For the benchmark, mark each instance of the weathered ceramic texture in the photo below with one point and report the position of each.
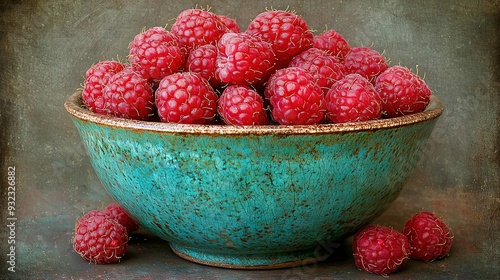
(253, 197)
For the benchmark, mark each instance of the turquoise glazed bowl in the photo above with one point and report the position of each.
(253, 197)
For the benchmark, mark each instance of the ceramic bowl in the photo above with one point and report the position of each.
(253, 197)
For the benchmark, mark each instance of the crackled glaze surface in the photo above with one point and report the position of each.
(228, 197)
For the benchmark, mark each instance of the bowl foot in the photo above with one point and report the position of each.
(250, 261)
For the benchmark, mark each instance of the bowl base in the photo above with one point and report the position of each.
(250, 261)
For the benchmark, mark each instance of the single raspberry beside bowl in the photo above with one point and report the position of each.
(365, 61)
(429, 237)
(156, 53)
(402, 92)
(96, 79)
(295, 97)
(353, 99)
(99, 238)
(288, 34)
(115, 211)
(186, 98)
(240, 105)
(243, 59)
(325, 68)
(129, 95)
(333, 42)
(380, 250)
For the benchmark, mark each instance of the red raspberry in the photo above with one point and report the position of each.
(96, 79)
(295, 97)
(380, 250)
(203, 60)
(196, 27)
(115, 211)
(288, 34)
(99, 238)
(365, 61)
(325, 68)
(230, 24)
(333, 42)
(186, 98)
(402, 92)
(129, 95)
(353, 99)
(155, 53)
(240, 105)
(243, 59)
(429, 236)
(93, 213)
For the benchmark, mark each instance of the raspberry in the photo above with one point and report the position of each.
(380, 250)
(402, 92)
(240, 105)
(230, 24)
(429, 236)
(288, 34)
(295, 97)
(99, 238)
(129, 95)
(243, 59)
(365, 61)
(325, 68)
(196, 27)
(155, 53)
(333, 42)
(93, 213)
(115, 211)
(353, 99)
(186, 98)
(203, 60)
(96, 79)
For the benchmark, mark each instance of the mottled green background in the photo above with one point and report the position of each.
(46, 47)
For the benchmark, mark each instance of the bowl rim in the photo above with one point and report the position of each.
(75, 106)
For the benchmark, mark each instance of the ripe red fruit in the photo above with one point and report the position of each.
(99, 238)
(288, 34)
(295, 97)
(325, 68)
(196, 27)
(186, 98)
(96, 79)
(353, 99)
(333, 42)
(380, 250)
(230, 24)
(429, 237)
(203, 60)
(129, 95)
(240, 105)
(402, 92)
(365, 61)
(155, 53)
(243, 59)
(115, 211)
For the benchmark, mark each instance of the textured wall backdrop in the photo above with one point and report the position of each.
(46, 47)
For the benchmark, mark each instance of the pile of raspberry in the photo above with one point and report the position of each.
(382, 250)
(205, 69)
(101, 236)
